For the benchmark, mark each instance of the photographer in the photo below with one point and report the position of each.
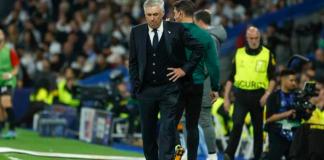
(281, 117)
(308, 141)
(318, 114)
(67, 89)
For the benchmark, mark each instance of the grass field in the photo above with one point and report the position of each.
(29, 140)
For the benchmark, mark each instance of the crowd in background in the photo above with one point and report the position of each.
(92, 36)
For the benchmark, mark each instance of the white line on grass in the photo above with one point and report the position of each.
(13, 158)
(66, 155)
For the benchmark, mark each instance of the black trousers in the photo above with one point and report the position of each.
(8, 91)
(191, 103)
(247, 101)
(159, 142)
(278, 147)
(308, 143)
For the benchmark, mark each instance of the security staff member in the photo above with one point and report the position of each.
(253, 80)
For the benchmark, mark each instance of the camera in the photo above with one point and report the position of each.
(94, 96)
(97, 96)
(301, 102)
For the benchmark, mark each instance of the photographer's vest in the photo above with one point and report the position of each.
(251, 70)
(43, 95)
(65, 96)
(317, 118)
(6, 66)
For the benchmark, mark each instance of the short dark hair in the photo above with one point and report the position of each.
(287, 72)
(204, 16)
(187, 6)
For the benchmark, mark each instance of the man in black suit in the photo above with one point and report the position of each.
(157, 66)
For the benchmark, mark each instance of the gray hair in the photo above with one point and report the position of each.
(151, 3)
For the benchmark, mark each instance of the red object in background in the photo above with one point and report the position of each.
(240, 41)
(14, 58)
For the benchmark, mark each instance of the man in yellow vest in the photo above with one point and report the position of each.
(9, 65)
(253, 80)
(67, 89)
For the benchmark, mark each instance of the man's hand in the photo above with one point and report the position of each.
(214, 96)
(319, 100)
(264, 98)
(175, 74)
(290, 113)
(227, 104)
(6, 76)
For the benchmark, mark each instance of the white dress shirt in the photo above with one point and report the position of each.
(159, 31)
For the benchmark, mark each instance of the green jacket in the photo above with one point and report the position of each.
(209, 61)
(5, 66)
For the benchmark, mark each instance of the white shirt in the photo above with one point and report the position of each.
(159, 31)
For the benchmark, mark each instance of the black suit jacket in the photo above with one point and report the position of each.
(177, 38)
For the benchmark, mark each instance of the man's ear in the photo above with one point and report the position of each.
(181, 13)
(199, 22)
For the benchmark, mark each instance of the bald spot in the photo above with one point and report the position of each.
(252, 31)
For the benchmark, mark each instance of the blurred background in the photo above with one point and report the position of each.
(74, 54)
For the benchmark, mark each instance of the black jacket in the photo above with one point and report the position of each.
(177, 38)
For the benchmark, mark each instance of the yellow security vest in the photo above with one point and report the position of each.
(42, 95)
(251, 70)
(65, 96)
(317, 117)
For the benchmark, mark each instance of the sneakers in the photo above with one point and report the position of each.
(179, 151)
(212, 156)
(9, 135)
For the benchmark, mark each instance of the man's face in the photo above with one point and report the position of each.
(289, 82)
(319, 88)
(69, 75)
(177, 15)
(319, 102)
(2, 37)
(253, 39)
(319, 55)
(153, 16)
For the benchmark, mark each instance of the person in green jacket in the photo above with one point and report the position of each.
(193, 90)
(202, 18)
(9, 66)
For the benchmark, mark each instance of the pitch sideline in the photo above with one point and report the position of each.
(66, 155)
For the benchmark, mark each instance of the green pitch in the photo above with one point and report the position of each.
(29, 140)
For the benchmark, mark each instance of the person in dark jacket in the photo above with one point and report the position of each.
(158, 66)
(281, 116)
